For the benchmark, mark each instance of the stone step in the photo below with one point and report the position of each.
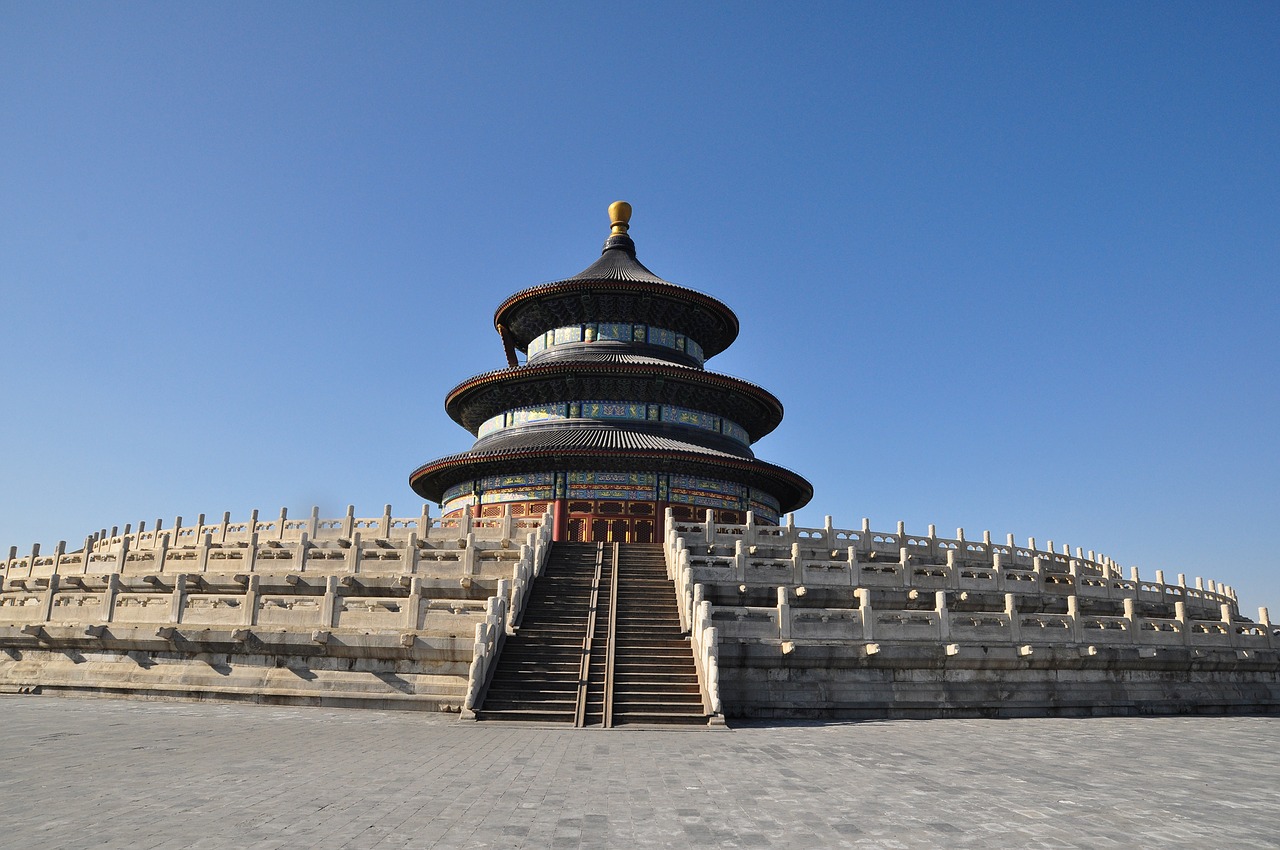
(642, 719)
(654, 670)
(644, 690)
(525, 714)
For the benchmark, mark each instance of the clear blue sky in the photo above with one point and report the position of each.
(1008, 265)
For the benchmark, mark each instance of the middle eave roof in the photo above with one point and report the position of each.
(479, 398)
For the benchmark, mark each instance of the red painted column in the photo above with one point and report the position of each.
(560, 521)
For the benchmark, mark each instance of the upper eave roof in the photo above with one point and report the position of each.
(618, 288)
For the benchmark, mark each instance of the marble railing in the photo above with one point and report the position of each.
(770, 555)
(401, 586)
(793, 560)
(104, 548)
(350, 544)
(787, 622)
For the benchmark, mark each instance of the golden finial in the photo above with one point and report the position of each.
(620, 216)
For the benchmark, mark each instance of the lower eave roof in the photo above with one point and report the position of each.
(431, 480)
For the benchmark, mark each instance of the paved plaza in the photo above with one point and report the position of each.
(81, 772)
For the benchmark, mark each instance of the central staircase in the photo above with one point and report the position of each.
(600, 644)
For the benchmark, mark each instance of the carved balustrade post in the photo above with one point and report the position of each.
(1011, 611)
(1130, 617)
(1073, 613)
(867, 616)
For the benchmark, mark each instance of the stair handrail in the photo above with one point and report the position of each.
(611, 647)
(695, 618)
(584, 666)
(533, 561)
(490, 635)
(705, 639)
(503, 612)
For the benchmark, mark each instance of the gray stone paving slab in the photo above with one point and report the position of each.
(78, 772)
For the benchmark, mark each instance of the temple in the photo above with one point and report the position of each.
(611, 552)
(612, 419)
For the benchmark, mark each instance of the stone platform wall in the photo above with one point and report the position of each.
(791, 621)
(384, 611)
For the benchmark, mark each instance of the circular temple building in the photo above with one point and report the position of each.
(612, 417)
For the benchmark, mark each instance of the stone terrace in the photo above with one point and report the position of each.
(81, 772)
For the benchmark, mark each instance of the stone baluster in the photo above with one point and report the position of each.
(46, 604)
(251, 595)
(1131, 618)
(470, 563)
(161, 548)
(122, 556)
(329, 605)
(178, 599)
(409, 557)
(353, 554)
(863, 595)
(109, 598)
(413, 604)
(1011, 611)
